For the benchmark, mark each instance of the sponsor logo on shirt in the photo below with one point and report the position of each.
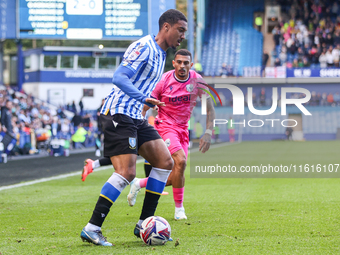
(179, 99)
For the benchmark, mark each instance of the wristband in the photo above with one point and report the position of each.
(208, 131)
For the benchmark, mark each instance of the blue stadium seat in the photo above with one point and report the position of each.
(229, 34)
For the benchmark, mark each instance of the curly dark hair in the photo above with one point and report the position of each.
(171, 16)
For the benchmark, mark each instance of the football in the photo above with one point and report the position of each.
(155, 230)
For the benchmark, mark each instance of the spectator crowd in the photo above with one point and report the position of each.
(308, 34)
(33, 123)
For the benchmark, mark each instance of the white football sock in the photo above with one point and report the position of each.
(95, 164)
(137, 183)
(140, 223)
(91, 227)
(179, 208)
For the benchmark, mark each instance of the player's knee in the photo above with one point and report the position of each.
(181, 164)
(129, 173)
(168, 163)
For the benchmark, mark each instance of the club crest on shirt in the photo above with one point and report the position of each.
(190, 87)
(167, 142)
(132, 143)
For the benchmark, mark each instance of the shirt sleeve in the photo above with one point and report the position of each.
(121, 78)
(201, 84)
(136, 56)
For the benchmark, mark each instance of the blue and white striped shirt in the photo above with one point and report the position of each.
(146, 59)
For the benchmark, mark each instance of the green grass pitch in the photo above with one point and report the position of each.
(225, 215)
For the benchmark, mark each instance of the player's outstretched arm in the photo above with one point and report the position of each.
(121, 78)
(154, 101)
(206, 138)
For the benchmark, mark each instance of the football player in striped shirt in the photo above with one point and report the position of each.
(126, 132)
(179, 89)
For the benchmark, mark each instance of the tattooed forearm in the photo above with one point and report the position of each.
(210, 114)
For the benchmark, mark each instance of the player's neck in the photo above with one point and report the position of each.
(161, 42)
(181, 80)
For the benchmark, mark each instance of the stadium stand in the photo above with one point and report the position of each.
(35, 123)
(308, 35)
(229, 34)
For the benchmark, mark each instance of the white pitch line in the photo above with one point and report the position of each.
(62, 176)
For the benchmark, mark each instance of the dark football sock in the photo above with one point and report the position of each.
(108, 195)
(100, 211)
(105, 161)
(153, 190)
(150, 205)
(147, 169)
